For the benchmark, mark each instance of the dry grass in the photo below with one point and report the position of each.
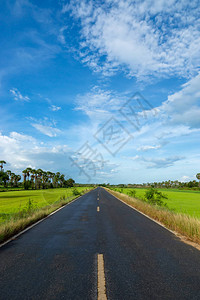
(187, 226)
(21, 221)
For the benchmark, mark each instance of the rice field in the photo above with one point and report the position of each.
(180, 201)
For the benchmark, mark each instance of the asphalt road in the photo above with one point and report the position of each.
(57, 259)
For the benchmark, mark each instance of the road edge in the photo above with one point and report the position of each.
(41, 220)
(181, 237)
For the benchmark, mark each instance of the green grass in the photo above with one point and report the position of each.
(180, 201)
(16, 214)
(3, 189)
(12, 202)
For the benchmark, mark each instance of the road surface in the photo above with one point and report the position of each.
(99, 249)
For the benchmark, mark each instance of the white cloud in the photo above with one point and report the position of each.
(54, 108)
(183, 107)
(136, 157)
(148, 147)
(61, 36)
(158, 162)
(176, 117)
(185, 178)
(47, 130)
(21, 137)
(18, 96)
(99, 104)
(21, 151)
(143, 38)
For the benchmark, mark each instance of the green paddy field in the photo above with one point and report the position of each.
(183, 201)
(11, 202)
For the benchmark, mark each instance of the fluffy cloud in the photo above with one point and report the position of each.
(143, 38)
(21, 151)
(183, 107)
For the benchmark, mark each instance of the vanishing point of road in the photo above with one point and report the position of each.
(99, 248)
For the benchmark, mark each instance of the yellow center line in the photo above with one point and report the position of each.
(101, 278)
(98, 209)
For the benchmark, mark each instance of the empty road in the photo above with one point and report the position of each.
(99, 248)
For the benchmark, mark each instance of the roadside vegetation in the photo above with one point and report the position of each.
(155, 204)
(20, 209)
(22, 203)
(179, 201)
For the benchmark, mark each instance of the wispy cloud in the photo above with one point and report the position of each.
(47, 130)
(61, 35)
(142, 38)
(45, 126)
(54, 108)
(162, 162)
(158, 162)
(98, 103)
(18, 96)
(148, 147)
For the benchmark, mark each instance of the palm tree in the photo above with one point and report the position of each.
(12, 178)
(62, 179)
(28, 172)
(198, 177)
(39, 173)
(2, 162)
(8, 172)
(4, 178)
(44, 179)
(32, 181)
(17, 178)
(34, 173)
(24, 172)
(51, 176)
(57, 178)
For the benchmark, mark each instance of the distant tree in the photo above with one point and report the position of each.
(4, 178)
(17, 178)
(69, 182)
(198, 177)
(2, 162)
(8, 172)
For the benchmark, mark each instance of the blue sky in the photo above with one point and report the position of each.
(103, 91)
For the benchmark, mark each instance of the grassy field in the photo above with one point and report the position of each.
(187, 202)
(19, 209)
(13, 202)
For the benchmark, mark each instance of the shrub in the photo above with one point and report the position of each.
(155, 197)
(76, 192)
(132, 193)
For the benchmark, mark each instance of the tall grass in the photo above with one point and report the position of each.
(185, 225)
(27, 217)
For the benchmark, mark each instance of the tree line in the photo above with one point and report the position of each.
(163, 184)
(34, 179)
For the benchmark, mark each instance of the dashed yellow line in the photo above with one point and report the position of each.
(101, 278)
